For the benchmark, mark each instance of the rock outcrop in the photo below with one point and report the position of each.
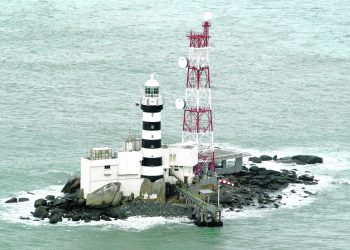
(104, 196)
(12, 200)
(71, 186)
(153, 191)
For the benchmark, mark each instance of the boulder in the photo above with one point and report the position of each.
(75, 217)
(254, 169)
(106, 218)
(40, 202)
(274, 157)
(60, 203)
(305, 177)
(117, 199)
(71, 186)
(307, 159)
(41, 212)
(55, 218)
(265, 158)
(23, 199)
(158, 188)
(146, 188)
(58, 211)
(50, 197)
(104, 196)
(255, 159)
(153, 190)
(12, 200)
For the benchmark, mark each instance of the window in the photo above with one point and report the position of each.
(152, 126)
(151, 91)
(107, 167)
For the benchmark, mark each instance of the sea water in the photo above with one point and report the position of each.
(71, 72)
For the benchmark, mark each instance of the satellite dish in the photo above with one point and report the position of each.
(207, 16)
(183, 62)
(180, 103)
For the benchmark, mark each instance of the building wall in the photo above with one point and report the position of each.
(125, 169)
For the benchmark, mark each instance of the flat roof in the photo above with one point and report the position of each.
(226, 154)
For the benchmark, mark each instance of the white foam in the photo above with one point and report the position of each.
(11, 212)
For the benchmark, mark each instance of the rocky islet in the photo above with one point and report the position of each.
(253, 187)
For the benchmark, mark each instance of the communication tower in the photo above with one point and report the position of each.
(197, 126)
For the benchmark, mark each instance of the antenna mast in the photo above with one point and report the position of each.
(197, 123)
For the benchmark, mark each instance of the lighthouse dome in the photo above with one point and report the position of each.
(152, 82)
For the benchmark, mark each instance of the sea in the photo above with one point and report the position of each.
(72, 71)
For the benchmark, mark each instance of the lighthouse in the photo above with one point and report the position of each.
(151, 105)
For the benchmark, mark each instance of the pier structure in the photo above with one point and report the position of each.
(205, 214)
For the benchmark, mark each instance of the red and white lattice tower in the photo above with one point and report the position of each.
(198, 116)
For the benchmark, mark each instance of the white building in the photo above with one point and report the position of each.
(145, 157)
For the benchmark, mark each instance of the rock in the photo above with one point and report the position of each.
(55, 219)
(265, 158)
(71, 196)
(12, 200)
(71, 186)
(276, 205)
(104, 196)
(117, 199)
(153, 190)
(87, 220)
(40, 202)
(106, 218)
(307, 159)
(23, 199)
(59, 211)
(146, 189)
(286, 160)
(50, 197)
(254, 169)
(255, 159)
(275, 186)
(61, 203)
(274, 157)
(293, 191)
(75, 217)
(306, 177)
(158, 188)
(41, 212)
(308, 192)
(24, 218)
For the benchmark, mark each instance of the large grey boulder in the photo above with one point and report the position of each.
(158, 187)
(154, 191)
(104, 196)
(146, 188)
(117, 199)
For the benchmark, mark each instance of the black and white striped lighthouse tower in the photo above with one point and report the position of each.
(151, 105)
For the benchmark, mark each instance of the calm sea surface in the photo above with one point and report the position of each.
(71, 72)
